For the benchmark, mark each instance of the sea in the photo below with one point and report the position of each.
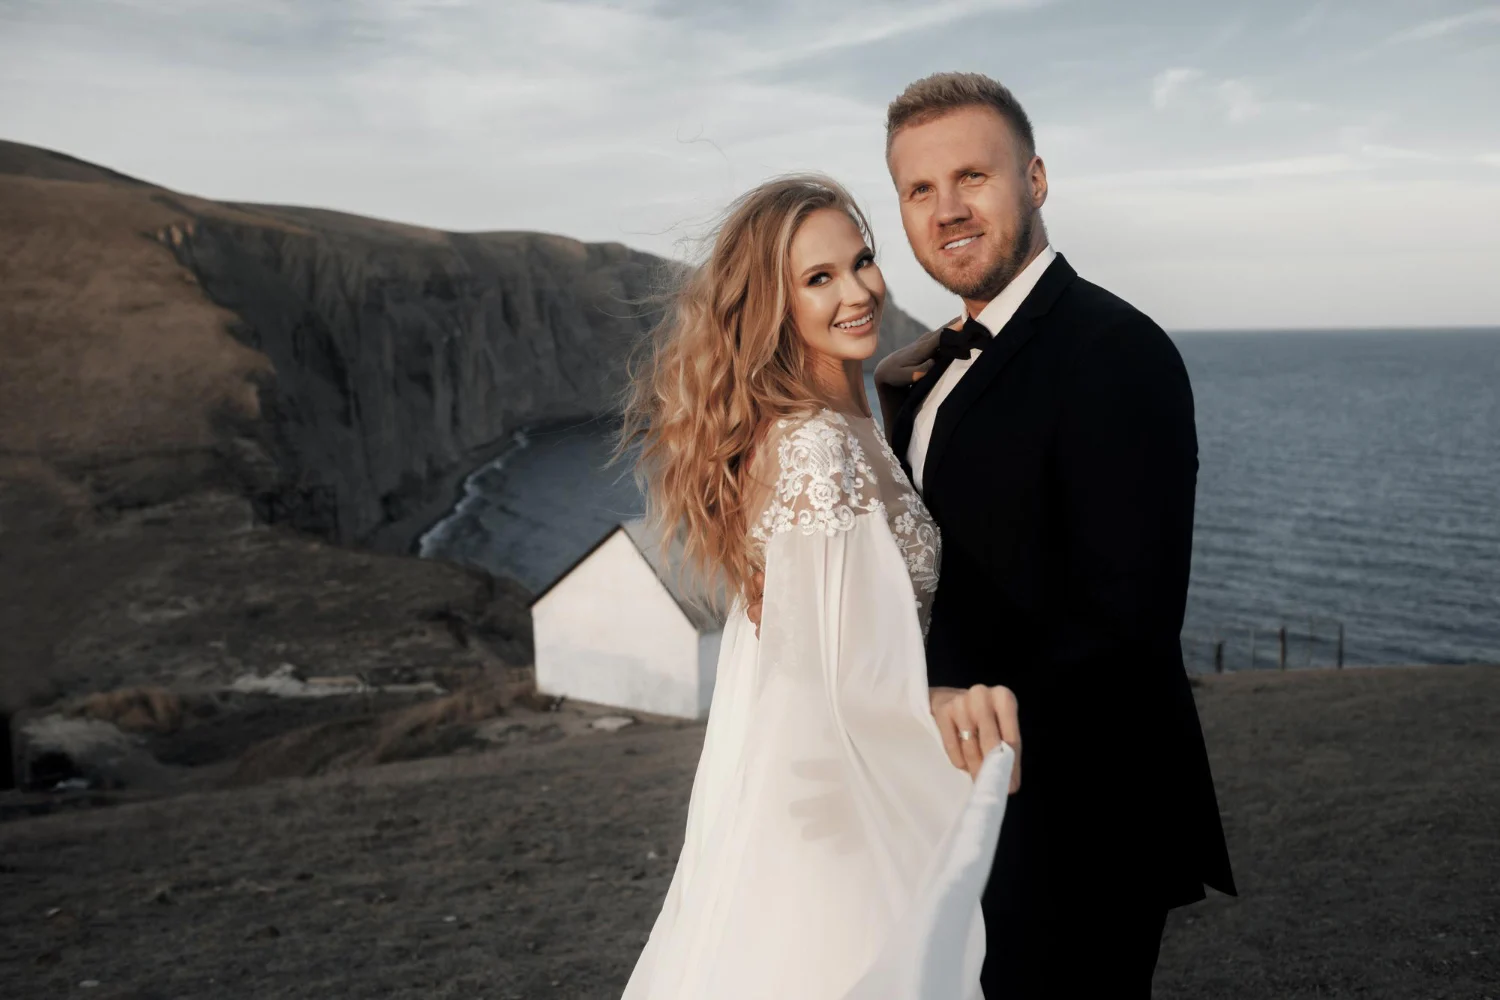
(1348, 507)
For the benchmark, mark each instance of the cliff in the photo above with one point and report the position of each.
(384, 357)
(402, 355)
(333, 374)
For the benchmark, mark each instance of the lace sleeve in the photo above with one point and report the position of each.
(823, 482)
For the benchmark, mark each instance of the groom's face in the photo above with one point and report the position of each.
(969, 200)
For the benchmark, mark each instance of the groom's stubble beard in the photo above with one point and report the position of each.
(992, 282)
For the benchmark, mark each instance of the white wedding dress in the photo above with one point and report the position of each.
(832, 851)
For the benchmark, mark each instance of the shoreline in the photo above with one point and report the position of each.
(446, 493)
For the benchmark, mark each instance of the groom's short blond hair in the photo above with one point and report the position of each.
(934, 96)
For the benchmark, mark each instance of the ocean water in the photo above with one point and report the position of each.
(1348, 481)
(1352, 476)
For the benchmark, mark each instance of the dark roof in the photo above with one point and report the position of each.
(704, 619)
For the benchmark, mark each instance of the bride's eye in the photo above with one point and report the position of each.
(816, 279)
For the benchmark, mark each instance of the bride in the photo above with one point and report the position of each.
(833, 849)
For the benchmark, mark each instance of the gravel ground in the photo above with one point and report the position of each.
(1362, 808)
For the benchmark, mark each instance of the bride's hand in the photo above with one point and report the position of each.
(989, 715)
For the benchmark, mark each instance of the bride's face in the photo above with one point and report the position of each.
(836, 289)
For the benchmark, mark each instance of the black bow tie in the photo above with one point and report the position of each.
(956, 344)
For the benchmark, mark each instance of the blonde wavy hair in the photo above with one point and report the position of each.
(721, 367)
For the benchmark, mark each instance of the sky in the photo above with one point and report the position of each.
(1221, 165)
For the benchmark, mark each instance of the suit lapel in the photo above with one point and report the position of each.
(992, 360)
(906, 417)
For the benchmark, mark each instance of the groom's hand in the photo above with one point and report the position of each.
(989, 715)
(902, 367)
(899, 369)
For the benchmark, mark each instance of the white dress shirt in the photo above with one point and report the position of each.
(993, 318)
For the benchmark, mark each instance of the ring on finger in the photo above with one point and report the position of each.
(965, 734)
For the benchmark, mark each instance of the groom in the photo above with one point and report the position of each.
(1051, 435)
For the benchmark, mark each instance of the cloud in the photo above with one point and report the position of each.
(1447, 25)
(1310, 19)
(637, 120)
(866, 25)
(1365, 142)
(599, 120)
(1323, 165)
(1240, 100)
(1380, 151)
(1169, 83)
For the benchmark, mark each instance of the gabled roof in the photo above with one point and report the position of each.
(663, 565)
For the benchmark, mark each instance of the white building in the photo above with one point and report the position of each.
(614, 629)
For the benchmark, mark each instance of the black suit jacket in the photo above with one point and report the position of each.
(1061, 471)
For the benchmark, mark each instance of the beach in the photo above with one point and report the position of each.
(1360, 808)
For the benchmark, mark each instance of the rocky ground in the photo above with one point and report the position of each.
(138, 643)
(183, 383)
(1360, 805)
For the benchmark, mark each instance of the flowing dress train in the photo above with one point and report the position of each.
(831, 850)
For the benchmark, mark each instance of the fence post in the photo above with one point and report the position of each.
(1341, 646)
(1219, 657)
(1282, 658)
(1252, 648)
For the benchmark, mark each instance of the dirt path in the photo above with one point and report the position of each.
(1361, 807)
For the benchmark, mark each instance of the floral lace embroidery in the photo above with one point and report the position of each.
(826, 480)
(914, 528)
(821, 483)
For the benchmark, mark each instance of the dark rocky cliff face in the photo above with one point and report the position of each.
(399, 360)
(401, 355)
(171, 366)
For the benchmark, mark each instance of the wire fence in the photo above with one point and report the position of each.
(1291, 643)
